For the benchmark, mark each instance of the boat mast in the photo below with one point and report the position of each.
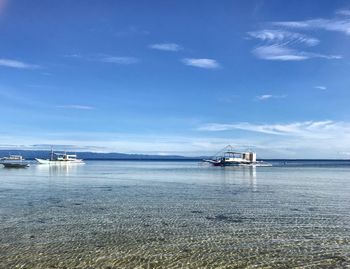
(51, 153)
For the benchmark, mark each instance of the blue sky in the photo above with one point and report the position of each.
(176, 77)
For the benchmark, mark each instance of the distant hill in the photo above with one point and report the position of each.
(44, 154)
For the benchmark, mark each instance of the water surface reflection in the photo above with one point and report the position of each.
(58, 170)
(238, 175)
(174, 215)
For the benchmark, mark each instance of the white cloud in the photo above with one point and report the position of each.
(301, 129)
(122, 60)
(283, 45)
(17, 64)
(201, 63)
(166, 46)
(277, 52)
(321, 87)
(119, 60)
(73, 55)
(81, 107)
(344, 12)
(336, 24)
(284, 37)
(269, 96)
(264, 97)
(281, 53)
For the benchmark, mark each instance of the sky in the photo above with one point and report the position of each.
(176, 77)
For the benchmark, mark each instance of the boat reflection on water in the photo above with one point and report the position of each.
(59, 170)
(242, 175)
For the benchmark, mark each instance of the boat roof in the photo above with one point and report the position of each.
(236, 152)
(63, 153)
(230, 150)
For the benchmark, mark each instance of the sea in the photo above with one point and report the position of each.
(175, 214)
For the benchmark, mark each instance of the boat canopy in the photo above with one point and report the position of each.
(63, 156)
(233, 152)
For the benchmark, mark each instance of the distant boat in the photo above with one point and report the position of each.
(12, 158)
(229, 157)
(15, 164)
(14, 161)
(60, 158)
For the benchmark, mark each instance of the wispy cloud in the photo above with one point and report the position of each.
(81, 107)
(323, 129)
(284, 37)
(344, 12)
(282, 45)
(201, 63)
(280, 52)
(305, 139)
(17, 64)
(119, 60)
(321, 88)
(105, 58)
(73, 55)
(269, 96)
(336, 24)
(166, 46)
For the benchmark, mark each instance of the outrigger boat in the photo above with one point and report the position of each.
(60, 158)
(15, 164)
(12, 158)
(229, 157)
(14, 161)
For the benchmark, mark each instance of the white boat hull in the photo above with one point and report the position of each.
(15, 164)
(67, 162)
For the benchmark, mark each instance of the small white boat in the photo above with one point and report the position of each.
(60, 159)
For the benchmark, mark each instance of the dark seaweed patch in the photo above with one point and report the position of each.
(196, 211)
(312, 209)
(42, 220)
(225, 218)
(53, 200)
(105, 188)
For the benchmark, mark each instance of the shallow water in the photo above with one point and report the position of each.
(118, 214)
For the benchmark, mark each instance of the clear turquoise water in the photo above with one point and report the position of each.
(118, 214)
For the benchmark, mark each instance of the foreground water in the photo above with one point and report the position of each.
(109, 214)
